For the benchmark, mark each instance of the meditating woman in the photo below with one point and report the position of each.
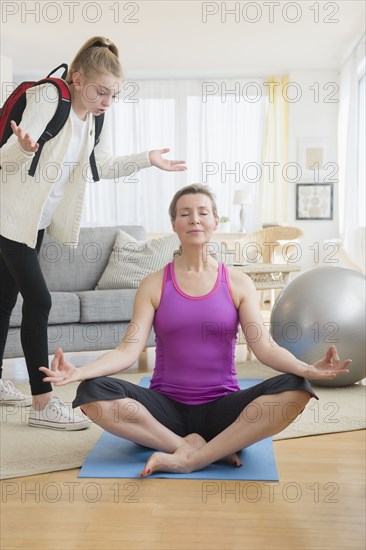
(194, 412)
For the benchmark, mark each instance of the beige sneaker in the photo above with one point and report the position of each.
(57, 416)
(9, 395)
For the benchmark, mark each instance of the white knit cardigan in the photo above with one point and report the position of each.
(23, 197)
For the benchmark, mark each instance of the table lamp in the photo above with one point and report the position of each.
(243, 197)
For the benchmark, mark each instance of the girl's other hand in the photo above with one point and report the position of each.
(25, 141)
(157, 160)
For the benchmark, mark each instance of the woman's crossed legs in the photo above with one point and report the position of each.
(190, 437)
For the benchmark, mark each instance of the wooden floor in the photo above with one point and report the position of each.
(319, 503)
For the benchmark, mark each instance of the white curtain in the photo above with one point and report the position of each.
(274, 187)
(350, 155)
(218, 133)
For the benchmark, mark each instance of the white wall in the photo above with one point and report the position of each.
(314, 117)
(6, 77)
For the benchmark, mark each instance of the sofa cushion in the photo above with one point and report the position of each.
(106, 305)
(65, 309)
(132, 260)
(66, 268)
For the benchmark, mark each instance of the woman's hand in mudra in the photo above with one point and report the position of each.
(328, 368)
(61, 372)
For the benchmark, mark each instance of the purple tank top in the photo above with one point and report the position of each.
(195, 341)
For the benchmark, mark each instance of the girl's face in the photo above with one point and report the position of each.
(194, 222)
(97, 93)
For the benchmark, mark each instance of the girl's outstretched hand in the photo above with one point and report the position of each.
(61, 372)
(328, 368)
(25, 141)
(157, 160)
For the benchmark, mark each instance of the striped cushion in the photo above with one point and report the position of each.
(131, 260)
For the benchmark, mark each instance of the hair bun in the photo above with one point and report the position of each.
(99, 44)
(90, 61)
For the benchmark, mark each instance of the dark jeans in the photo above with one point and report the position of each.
(20, 272)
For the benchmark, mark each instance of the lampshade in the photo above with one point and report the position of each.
(243, 196)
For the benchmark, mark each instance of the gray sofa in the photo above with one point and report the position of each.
(81, 318)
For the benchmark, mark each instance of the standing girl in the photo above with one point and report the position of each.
(29, 205)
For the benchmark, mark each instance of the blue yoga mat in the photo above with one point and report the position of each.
(114, 457)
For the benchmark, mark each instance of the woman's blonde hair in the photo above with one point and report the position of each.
(97, 55)
(192, 189)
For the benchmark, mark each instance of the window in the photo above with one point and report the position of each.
(220, 137)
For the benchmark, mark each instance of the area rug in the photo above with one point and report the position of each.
(27, 451)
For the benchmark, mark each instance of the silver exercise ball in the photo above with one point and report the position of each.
(323, 307)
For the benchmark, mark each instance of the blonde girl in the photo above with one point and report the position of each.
(54, 201)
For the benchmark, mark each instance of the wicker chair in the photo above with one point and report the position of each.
(266, 245)
(280, 236)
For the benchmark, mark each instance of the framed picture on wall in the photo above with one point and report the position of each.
(314, 201)
(313, 156)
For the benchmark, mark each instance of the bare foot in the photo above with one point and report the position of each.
(176, 462)
(232, 459)
(195, 440)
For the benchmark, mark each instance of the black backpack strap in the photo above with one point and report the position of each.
(59, 118)
(64, 66)
(99, 120)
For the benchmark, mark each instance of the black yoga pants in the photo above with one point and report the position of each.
(208, 419)
(20, 272)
